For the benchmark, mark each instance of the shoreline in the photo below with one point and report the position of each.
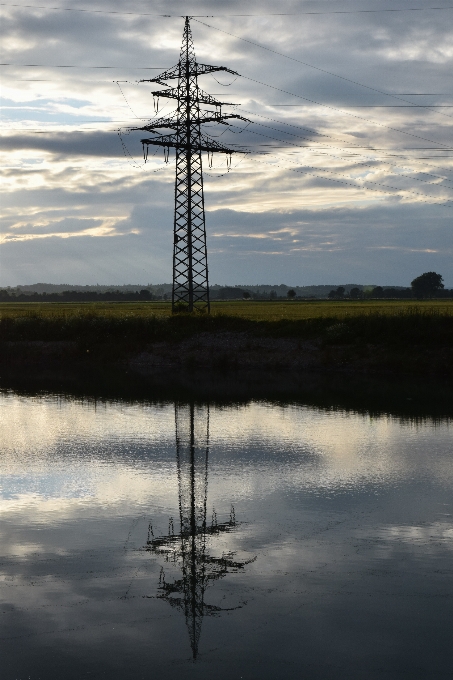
(233, 351)
(404, 396)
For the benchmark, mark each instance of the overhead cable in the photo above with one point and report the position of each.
(333, 171)
(325, 147)
(347, 113)
(317, 68)
(209, 16)
(352, 148)
(358, 186)
(124, 68)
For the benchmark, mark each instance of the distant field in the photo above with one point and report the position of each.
(257, 311)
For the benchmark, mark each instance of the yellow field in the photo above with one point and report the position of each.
(266, 311)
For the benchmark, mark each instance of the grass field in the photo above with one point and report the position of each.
(254, 311)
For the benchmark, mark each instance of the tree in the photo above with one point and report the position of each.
(247, 295)
(337, 294)
(355, 293)
(427, 284)
(377, 292)
(291, 294)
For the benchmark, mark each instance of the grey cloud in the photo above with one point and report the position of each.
(54, 200)
(382, 245)
(66, 143)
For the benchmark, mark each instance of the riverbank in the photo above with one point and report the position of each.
(416, 341)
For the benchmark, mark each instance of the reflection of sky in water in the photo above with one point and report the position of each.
(349, 518)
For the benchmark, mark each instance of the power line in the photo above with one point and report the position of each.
(317, 68)
(81, 122)
(321, 148)
(358, 186)
(387, 106)
(338, 173)
(89, 11)
(299, 127)
(332, 147)
(209, 16)
(368, 148)
(330, 137)
(158, 68)
(124, 68)
(362, 164)
(347, 113)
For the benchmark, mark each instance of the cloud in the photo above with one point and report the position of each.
(383, 245)
(102, 144)
(342, 151)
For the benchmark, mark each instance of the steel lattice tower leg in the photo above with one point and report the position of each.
(190, 264)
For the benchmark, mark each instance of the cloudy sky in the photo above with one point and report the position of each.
(350, 172)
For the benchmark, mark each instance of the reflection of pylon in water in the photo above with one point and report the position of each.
(187, 548)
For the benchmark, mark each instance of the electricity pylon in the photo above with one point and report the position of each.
(187, 548)
(190, 266)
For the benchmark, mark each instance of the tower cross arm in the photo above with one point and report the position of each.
(205, 98)
(216, 117)
(175, 72)
(203, 69)
(207, 144)
(172, 141)
(171, 123)
(171, 93)
(202, 97)
(170, 74)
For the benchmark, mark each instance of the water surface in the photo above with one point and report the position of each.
(192, 540)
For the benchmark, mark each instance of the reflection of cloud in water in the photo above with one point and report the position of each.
(48, 424)
(431, 538)
(69, 455)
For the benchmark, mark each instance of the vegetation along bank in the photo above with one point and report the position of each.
(406, 337)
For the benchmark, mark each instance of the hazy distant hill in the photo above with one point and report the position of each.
(217, 291)
(157, 289)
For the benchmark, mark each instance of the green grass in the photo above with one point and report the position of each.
(274, 311)
(251, 310)
(135, 324)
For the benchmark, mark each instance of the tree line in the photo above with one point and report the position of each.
(427, 285)
(82, 296)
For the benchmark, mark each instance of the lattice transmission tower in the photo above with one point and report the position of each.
(190, 265)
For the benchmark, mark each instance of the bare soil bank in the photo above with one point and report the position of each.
(241, 351)
(233, 351)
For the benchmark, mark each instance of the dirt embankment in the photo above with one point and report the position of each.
(233, 351)
(240, 351)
